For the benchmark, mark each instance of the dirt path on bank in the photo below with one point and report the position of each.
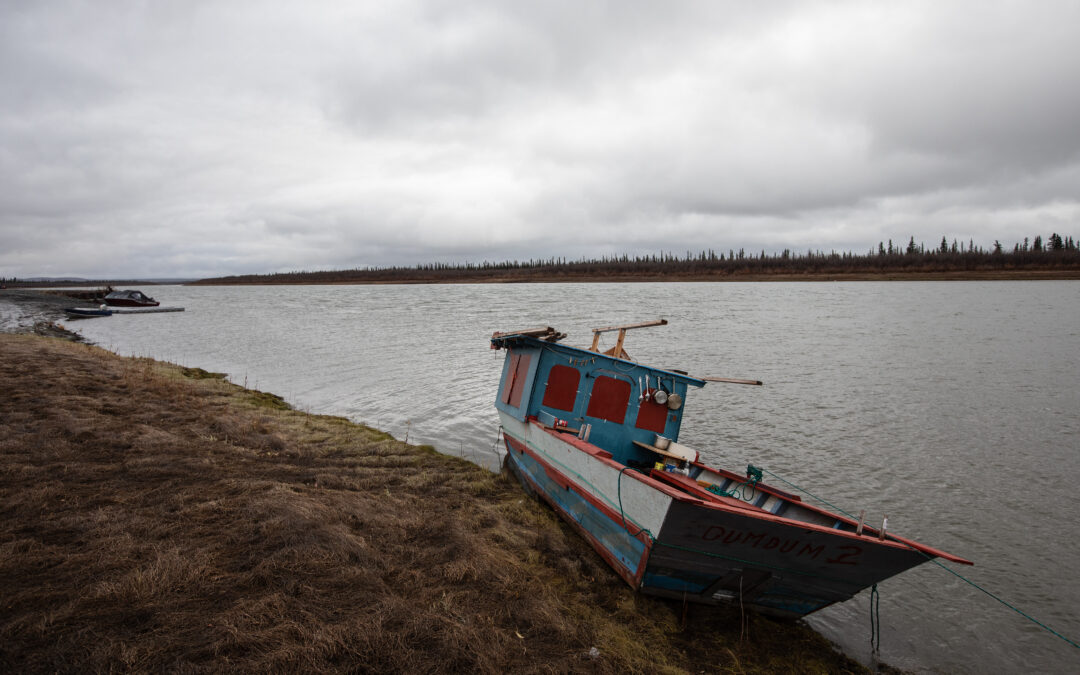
(154, 517)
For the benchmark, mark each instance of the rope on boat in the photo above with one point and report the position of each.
(753, 476)
(939, 564)
(875, 619)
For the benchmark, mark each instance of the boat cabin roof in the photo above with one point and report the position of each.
(515, 340)
(134, 295)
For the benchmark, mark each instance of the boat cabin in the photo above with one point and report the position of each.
(129, 299)
(632, 411)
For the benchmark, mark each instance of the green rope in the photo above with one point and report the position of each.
(875, 619)
(1012, 607)
(753, 477)
(807, 492)
(939, 564)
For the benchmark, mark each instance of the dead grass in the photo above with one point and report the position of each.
(159, 518)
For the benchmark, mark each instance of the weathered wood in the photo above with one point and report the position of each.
(530, 332)
(731, 380)
(658, 451)
(646, 324)
(617, 351)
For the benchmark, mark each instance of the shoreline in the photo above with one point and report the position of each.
(1048, 274)
(978, 275)
(32, 311)
(135, 491)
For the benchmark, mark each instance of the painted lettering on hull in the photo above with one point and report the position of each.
(797, 548)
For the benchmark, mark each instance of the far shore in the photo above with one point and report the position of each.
(959, 275)
(533, 276)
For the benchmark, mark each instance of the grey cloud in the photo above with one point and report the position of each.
(257, 136)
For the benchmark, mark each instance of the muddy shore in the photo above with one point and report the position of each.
(34, 311)
(158, 517)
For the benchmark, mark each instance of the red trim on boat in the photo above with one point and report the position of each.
(869, 534)
(632, 577)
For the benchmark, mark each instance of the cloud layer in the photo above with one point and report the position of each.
(198, 139)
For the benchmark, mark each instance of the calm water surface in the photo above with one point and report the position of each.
(950, 407)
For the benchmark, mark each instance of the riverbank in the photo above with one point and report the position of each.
(377, 278)
(156, 516)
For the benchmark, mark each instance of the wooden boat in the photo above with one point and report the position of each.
(130, 299)
(595, 436)
(87, 312)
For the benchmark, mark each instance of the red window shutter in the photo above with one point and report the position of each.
(562, 385)
(652, 416)
(608, 399)
(516, 375)
(508, 383)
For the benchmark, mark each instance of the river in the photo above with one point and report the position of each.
(952, 407)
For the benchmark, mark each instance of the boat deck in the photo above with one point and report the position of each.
(695, 489)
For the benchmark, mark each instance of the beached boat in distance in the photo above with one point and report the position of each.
(130, 299)
(87, 312)
(595, 436)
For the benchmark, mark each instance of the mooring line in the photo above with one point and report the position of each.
(942, 566)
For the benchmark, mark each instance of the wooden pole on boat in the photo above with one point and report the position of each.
(617, 351)
(646, 324)
(731, 380)
(528, 332)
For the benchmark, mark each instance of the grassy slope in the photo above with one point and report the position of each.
(155, 517)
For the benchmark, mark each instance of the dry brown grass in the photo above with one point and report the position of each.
(159, 518)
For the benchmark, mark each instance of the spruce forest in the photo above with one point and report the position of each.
(1057, 257)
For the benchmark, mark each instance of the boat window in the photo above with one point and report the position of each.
(652, 416)
(562, 385)
(515, 379)
(608, 400)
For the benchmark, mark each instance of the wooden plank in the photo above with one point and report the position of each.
(659, 451)
(731, 380)
(646, 324)
(528, 332)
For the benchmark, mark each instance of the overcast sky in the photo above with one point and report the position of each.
(164, 139)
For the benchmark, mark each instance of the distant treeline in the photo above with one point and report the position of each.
(105, 284)
(1055, 254)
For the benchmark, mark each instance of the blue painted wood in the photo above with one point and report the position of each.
(615, 438)
(607, 535)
